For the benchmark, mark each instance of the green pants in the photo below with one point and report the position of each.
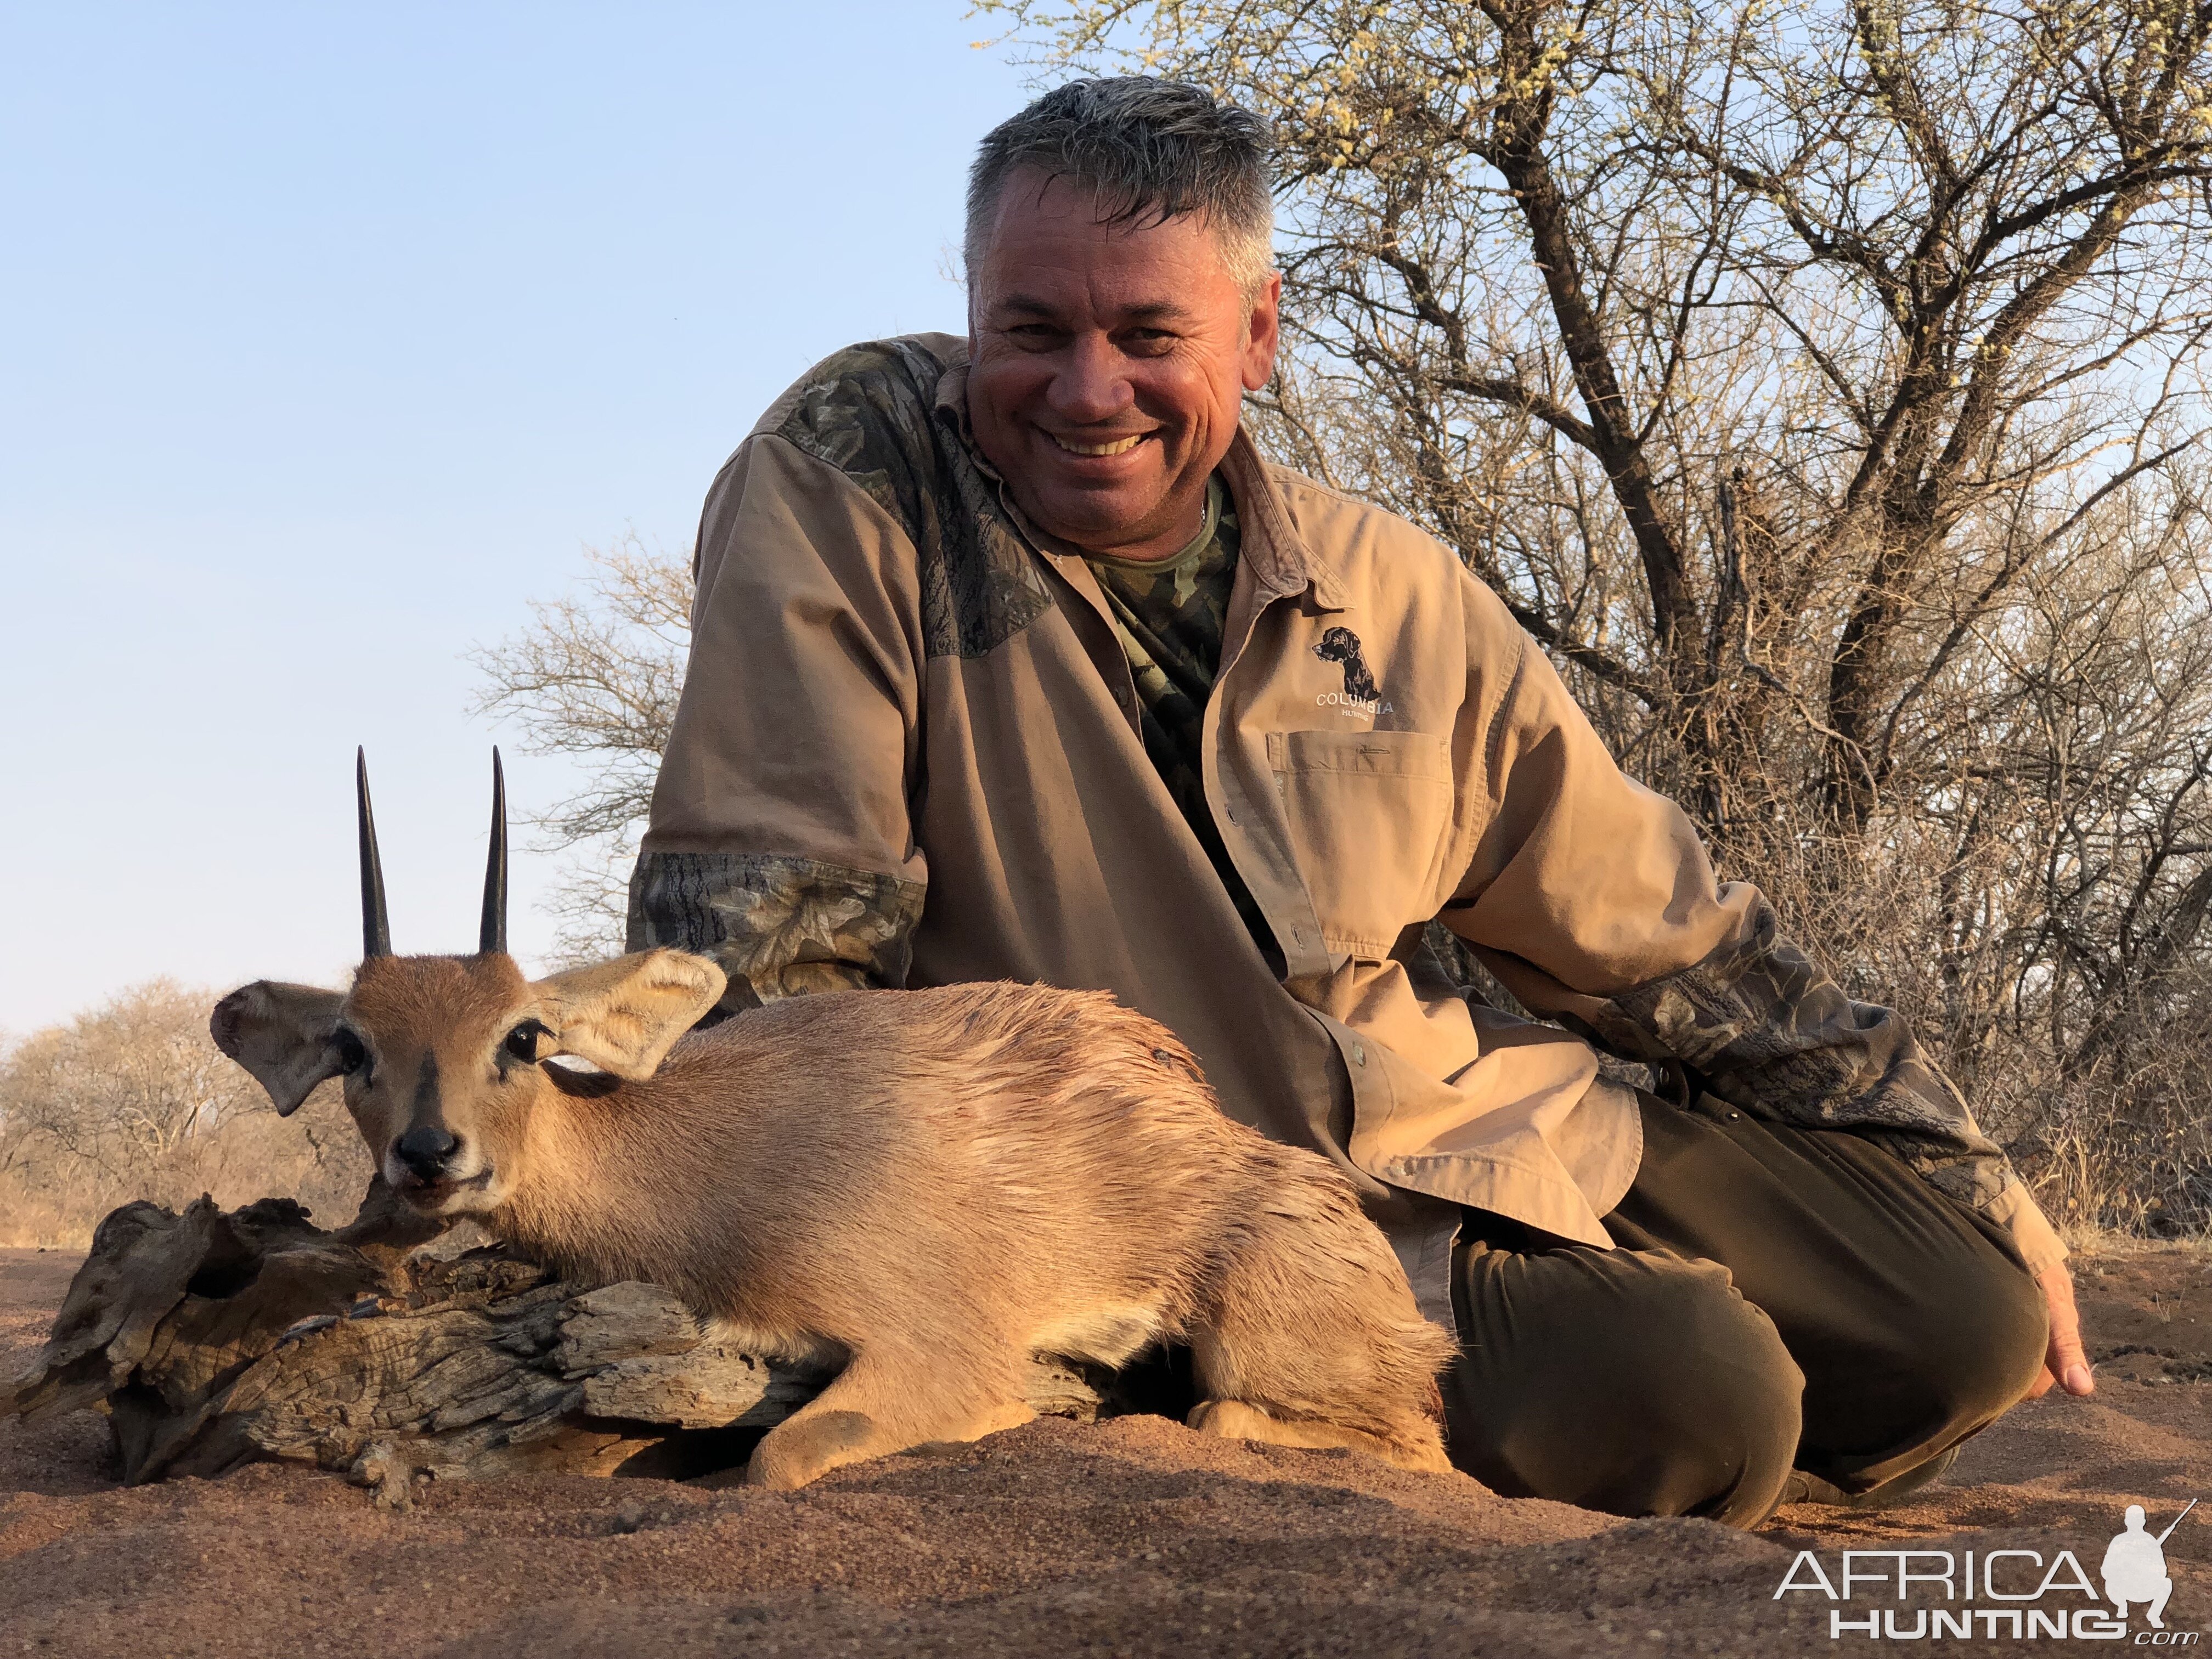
(1779, 1298)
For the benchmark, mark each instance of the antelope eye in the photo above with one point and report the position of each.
(522, 1041)
(352, 1052)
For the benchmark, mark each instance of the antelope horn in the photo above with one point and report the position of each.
(493, 936)
(375, 925)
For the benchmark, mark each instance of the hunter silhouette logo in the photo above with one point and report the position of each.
(2135, 1566)
(1341, 645)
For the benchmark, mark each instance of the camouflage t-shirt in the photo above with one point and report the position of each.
(1170, 615)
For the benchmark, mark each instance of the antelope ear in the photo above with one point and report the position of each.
(283, 1034)
(624, 1016)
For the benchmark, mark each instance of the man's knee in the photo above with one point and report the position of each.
(1908, 1375)
(1973, 1340)
(1652, 1388)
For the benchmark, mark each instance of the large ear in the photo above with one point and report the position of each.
(282, 1034)
(624, 1016)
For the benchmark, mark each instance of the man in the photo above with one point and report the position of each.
(1013, 660)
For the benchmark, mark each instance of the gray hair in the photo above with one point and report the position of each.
(1151, 150)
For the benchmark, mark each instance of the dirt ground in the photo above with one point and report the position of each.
(1134, 1537)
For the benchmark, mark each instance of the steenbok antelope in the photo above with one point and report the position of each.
(924, 1186)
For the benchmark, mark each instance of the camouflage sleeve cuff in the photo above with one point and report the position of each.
(778, 926)
(1773, 1034)
(2032, 1235)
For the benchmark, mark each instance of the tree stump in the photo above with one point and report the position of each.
(391, 1352)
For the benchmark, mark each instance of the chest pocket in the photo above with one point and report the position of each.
(1367, 814)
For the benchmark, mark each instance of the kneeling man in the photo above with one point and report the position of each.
(1013, 660)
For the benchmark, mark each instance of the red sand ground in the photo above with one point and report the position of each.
(1136, 1537)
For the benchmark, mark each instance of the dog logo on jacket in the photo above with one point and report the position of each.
(1341, 645)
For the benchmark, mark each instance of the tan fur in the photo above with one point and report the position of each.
(932, 1185)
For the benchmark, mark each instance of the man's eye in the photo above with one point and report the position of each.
(522, 1041)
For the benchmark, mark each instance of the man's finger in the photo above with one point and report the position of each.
(2066, 1360)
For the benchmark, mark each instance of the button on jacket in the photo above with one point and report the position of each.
(908, 753)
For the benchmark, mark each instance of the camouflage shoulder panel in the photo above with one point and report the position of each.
(778, 926)
(867, 411)
(870, 411)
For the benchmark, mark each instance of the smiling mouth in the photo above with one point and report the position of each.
(1111, 447)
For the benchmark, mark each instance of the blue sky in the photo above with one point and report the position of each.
(329, 335)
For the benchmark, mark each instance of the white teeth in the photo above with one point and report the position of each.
(1120, 446)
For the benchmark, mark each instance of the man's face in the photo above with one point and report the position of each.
(1110, 364)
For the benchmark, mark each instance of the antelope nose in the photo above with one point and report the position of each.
(426, 1149)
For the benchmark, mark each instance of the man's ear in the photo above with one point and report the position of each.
(282, 1034)
(1263, 332)
(624, 1016)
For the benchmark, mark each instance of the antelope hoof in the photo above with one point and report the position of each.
(802, 1450)
(1233, 1419)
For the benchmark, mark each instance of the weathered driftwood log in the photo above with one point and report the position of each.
(390, 1353)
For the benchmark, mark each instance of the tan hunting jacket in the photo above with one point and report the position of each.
(908, 753)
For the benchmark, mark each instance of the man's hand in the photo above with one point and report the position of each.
(2064, 1363)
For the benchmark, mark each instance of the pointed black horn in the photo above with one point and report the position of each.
(375, 925)
(494, 934)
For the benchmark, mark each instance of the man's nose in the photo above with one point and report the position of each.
(427, 1149)
(1091, 385)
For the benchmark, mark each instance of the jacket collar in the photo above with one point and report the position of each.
(1279, 557)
